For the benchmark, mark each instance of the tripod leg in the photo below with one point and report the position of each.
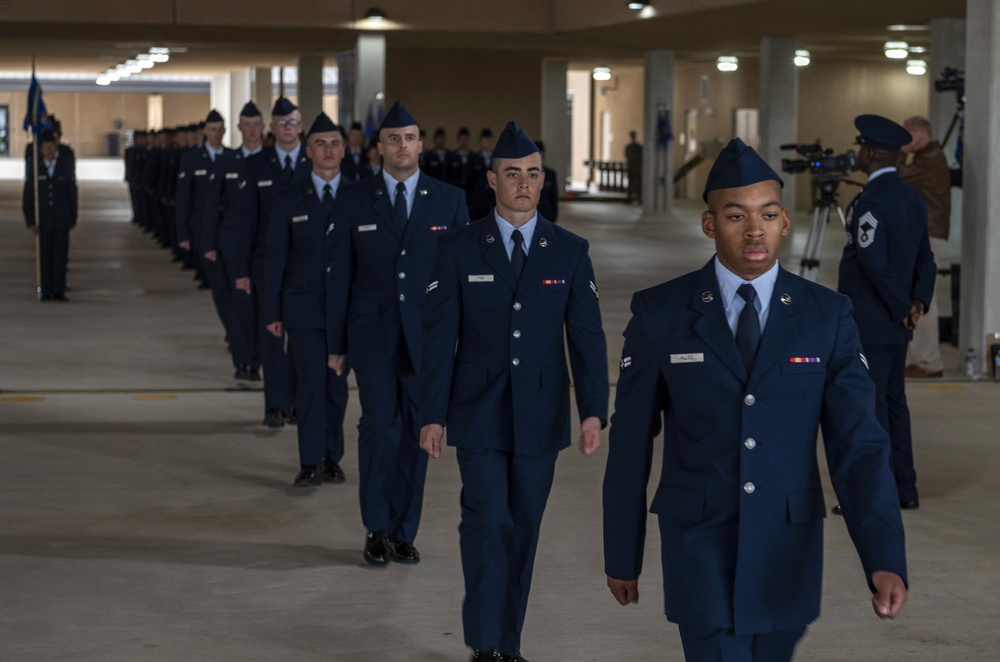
(809, 253)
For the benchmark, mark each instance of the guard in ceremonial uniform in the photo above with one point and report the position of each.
(740, 363)
(355, 166)
(380, 255)
(197, 168)
(225, 226)
(294, 298)
(57, 210)
(504, 294)
(437, 159)
(272, 171)
(888, 271)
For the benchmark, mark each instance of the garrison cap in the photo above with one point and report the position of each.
(881, 133)
(283, 107)
(486, 133)
(463, 131)
(199, 126)
(214, 116)
(356, 126)
(250, 109)
(46, 136)
(738, 165)
(397, 118)
(438, 132)
(513, 143)
(323, 124)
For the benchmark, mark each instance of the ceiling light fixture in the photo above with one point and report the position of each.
(727, 63)
(916, 67)
(636, 6)
(802, 58)
(159, 54)
(602, 73)
(896, 50)
(376, 15)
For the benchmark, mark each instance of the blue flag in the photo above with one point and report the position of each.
(663, 133)
(36, 107)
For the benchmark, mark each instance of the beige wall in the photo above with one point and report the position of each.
(623, 98)
(453, 87)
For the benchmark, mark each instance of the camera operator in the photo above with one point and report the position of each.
(923, 165)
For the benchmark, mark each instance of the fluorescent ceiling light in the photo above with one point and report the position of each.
(602, 73)
(727, 63)
(916, 67)
(896, 50)
(802, 58)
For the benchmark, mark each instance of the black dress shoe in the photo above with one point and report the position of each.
(309, 476)
(491, 655)
(274, 418)
(909, 505)
(242, 373)
(254, 374)
(377, 548)
(404, 552)
(837, 510)
(332, 473)
(290, 417)
(512, 658)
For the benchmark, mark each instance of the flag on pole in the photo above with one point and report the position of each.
(36, 106)
(663, 133)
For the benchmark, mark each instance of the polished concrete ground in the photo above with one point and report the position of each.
(145, 513)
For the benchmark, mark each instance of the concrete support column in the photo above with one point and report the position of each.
(369, 77)
(239, 94)
(657, 164)
(556, 131)
(310, 88)
(980, 305)
(220, 98)
(779, 105)
(947, 50)
(261, 91)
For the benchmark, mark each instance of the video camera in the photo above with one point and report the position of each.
(951, 80)
(819, 161)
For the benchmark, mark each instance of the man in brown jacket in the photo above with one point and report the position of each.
(924, 166)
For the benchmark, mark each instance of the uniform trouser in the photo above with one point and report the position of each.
(925, 348)
(53, 248)
(274, 359)
(503, 498)
(243, 326)
(886, 365)
(321, 399)
(717, 645)
(218, 281)
(390, 460)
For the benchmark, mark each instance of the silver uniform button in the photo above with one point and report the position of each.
(750, 443)
(517, 305)
(402, 274)
(516, 361)
(749, 399)
(749, 487)
(517, 334)
(402, 297)
(402, 252)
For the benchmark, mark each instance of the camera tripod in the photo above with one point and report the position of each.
(826, 201)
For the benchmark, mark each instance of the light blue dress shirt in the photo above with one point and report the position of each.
(410, 184)
(733, 303)
(506, 230)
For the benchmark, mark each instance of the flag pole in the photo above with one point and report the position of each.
(34, 174)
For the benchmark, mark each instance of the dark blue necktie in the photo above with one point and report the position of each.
(328, 199)
(401, 205)
(517, 256)
(288, 167)
(748, 326)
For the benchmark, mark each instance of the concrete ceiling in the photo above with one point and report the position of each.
(223, 35)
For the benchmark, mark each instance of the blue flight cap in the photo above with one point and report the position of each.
(214, 116)
(439, 132)
(322, 124)
(486, 133)
(283, 107)
(513, 143)
(881, 133)
(397, 118)
(463, 131)
(738, 165)
(356, 126)
(46, 136)
(250, 110)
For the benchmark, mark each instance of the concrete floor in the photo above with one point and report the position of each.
(145, 513)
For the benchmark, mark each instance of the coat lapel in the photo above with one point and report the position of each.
(494, 253)
(382, 206)
(782, 327)
(419, 214)
(712, 325)
(538, 257)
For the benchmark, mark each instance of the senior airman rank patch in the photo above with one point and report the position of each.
(594, 288)
(864, 360)
(626, 362)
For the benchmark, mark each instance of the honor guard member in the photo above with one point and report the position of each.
(548, 203)
(380, 256)
(193, 180)
(888, 271)
(465, 167)
(295, 299)
(355, 166)
(437, 159)
(57, 211)
(225, 227)
(504, 294)
(740, 363)
(272, 171)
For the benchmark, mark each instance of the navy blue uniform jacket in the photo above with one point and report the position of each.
(294, 289)
(57, 195)
(739, 498)
(887, 262)
(494, 357)
(225, 226)
(378, 275)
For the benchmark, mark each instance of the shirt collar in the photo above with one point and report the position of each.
(247, 152)
(410, 182)
(730, 282)
(881, 171)
(319, 183)
(506, 230)
(282, 154)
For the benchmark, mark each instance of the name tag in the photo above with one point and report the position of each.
(232, 175)
(42, 178)
(687, 358)
(299, 219)
(367, 228)
(484, 278)
(199, 173)
(264, 182)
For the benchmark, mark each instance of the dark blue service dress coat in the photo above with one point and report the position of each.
(739, 498)
(57, 212)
